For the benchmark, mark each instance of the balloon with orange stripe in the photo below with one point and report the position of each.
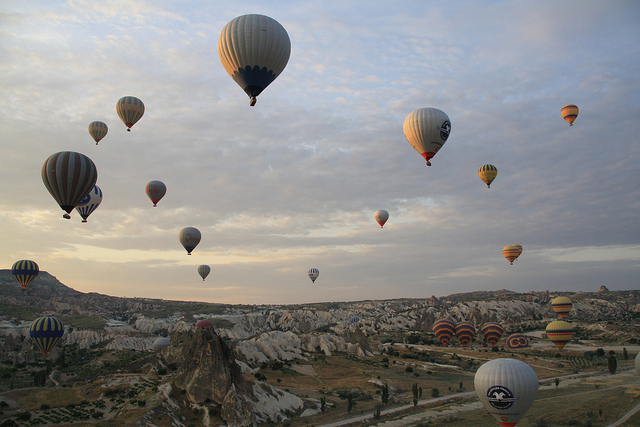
(560, 333)
(569, 113)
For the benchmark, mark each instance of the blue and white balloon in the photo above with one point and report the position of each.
(89, 203)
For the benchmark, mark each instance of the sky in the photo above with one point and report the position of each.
(293, 182)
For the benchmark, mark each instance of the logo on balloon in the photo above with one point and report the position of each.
(85, 199)
(445, 130)
(500, 397)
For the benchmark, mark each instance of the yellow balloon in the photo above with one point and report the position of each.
(487, 174)
(569, 113)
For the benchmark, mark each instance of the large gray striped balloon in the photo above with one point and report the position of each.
(69, 176)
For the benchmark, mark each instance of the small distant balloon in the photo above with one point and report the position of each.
(204, 271)
(89, 203)
(24, 271)
(313, 274)
(427, 129)
(189, 237)
(507, 388)
(562, 306)
(511, 252)
(130, 109)
(492, 332)
(254, 50)
(98, 130)
(45, 332)
(517, 341)
(560, 333)
(444, 329)
(465, 331)
(381, 217)
(68, 176)
(160, 343)
(487, 174)
(155, 191)
(204, 323)
(569, 113)
(638, 363)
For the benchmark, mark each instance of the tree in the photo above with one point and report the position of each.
(414, 389)
(613, 364)
(557, 382)
(625, 355)
(349, 403)
(323, 403)
(385, 394)
(435, 392)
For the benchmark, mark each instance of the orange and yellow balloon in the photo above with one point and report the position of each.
(560, 333)
(569, 113)
(562, 306)
(511, 252)
(487, 174)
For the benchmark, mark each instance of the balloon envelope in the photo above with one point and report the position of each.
(427, 129)
(492, 332)
(511, 252)
(204, 271)
(69, 176)
(160, 343)
(45, 332)
(465, 332)
(254, 50)
(487, 174)
(638, 363)
(562, 306)
(560, 333)
(313, 274)
(507, 388)
(569, 113)
(98, 130)
(24, 271)
(189, 237)
(89, 203)
(155, 191)
(517, 341)
(381, 217)
(444, 330)
(204, 323)
(130, 109)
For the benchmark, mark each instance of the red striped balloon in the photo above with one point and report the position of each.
(569, 113)
(562, 306)
(465, 332)
(444, 330)
(492, 332)
(560, 333)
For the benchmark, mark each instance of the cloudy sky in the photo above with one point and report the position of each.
(293, 182)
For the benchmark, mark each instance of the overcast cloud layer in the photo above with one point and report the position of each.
(293, 182)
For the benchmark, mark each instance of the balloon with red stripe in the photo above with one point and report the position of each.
(444, 330)
(560, 333)
(562, 306)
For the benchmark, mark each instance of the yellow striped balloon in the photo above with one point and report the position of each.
(511, 252)
(130, 109)
(487, 174)
(562, 306)
(560, 333)
(465, 331)
(98, 130)
(24, 271)
(492, 332)
(45, 332)
(444, 330)
(254, 50)
(569, 113)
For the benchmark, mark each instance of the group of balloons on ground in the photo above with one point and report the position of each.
(558, 331)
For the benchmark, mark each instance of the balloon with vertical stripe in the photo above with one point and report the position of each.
(444, 330)
(569, 113)
(427, 129)
(492, 332)
(465, 332)
(487, 174)
(98, 130)
(560, 333)
(69, 176)
(45, 332)
(313, 274)
(24, 271)
(254, 50)
(562, 306)
(89, 203)
(130, 109)
(204, 271)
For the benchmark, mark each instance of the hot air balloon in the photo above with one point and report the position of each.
(204, 323)
(69, 176)
(381, 217)
(254, 50)
(98, 130)
(160, 343)
(517, 341)
(507, 388)
(519, 248)
(189, 237)
(511, 252)
(313, 274)
(487, 174)
(89, 203)
(562, 306)
(444, 330)
(204, 271)
(560, 333)
(464, 332)
(492, 332)
(427, 129)
(638, 363)
(45, 332)
(130, 109)
(569, 113)
(24, 271)
(155, 191)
